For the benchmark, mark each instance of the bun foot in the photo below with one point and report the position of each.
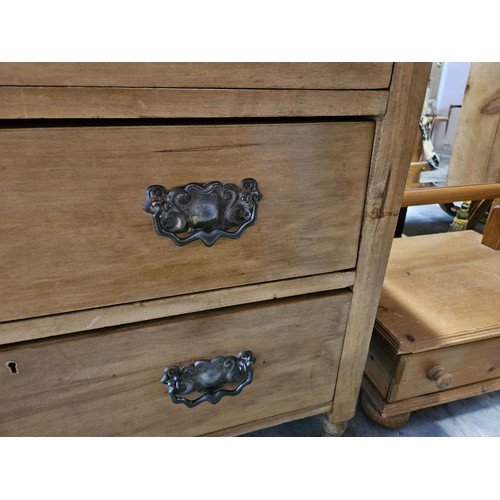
(373, 414)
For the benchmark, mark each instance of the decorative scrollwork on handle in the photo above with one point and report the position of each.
(208, 377)
(203, 212)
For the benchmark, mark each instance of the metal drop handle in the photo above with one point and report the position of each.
(203, 212)
(208, 377)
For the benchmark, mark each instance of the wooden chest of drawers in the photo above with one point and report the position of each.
(437, 332)
(272, 196)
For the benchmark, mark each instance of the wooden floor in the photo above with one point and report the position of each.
(478, 416)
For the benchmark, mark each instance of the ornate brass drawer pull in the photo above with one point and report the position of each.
(209, 376)
(204, 212)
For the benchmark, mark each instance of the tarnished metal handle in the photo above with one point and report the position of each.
(209, 376)
(203, 212)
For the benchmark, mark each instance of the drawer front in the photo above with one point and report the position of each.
(450, 367)
(74, 232)
(369, 75)
(108, 383)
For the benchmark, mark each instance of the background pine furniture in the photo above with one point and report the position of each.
(437, 332)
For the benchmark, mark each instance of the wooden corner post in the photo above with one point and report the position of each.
(392, 150)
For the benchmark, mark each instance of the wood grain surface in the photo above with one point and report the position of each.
(429, 400)
(439, 290)
(283, 75)
(381, 363)
(282, 418)
(109, 384)
(467, 364)
(102, 317)
(106, 102)
(393, 145)
(73, 230)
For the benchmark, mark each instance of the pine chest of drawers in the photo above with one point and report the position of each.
(212, 235)
(437, 331)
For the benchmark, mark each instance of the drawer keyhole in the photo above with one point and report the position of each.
(12, 366)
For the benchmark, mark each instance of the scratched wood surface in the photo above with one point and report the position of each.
(192, 90)
(113, 102)
(101, 317)
(395, 136)
(109, 384)
(466, 364)
(445, 299)
(74, 232)
(283, 75)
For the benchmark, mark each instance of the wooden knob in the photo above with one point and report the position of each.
(438, 374)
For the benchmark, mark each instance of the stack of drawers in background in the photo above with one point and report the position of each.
(95, 303)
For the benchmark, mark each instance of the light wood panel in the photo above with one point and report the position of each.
(334, 75)
(108, 384)
(81, 102)
(438, 292)
(467, 364)
(98, 318)
(74, 231)
(408, 405)
(476, 152)
(391, 158)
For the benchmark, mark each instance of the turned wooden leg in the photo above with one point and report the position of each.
(332, 429)
(393, 422)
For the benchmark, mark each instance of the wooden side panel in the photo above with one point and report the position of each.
(74, 232)
(391, 159)
(467, 364)
(107, 383)
(380, 364)
(476, 151)
(367, 75)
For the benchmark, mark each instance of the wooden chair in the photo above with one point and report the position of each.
(437, 333)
